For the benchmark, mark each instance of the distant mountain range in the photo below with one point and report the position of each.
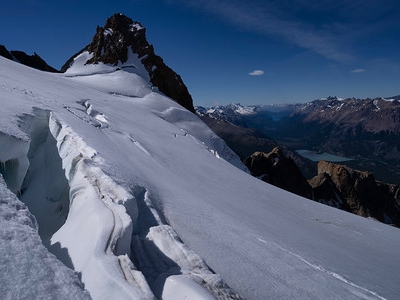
(367, 131)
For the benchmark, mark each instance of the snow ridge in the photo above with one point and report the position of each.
(92, 190)
(155, 248)
(173, 271)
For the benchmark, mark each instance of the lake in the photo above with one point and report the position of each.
(316, 156)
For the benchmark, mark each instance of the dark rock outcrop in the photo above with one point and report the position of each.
(111, 45)
(33, 61)
(5, 53)
(357, 192)
(279, 170)
(325, 191)
(335, 185)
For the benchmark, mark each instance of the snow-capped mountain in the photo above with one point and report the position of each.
(369, 115)
(139, 199)
(114, 44)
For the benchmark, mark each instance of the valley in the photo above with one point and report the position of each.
(366, 131)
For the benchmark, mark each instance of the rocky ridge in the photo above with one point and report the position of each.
(120, 34)
(279, 170)
(33, 61)
(357, 192)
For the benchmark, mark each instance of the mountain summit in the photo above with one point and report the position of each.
(121, 36)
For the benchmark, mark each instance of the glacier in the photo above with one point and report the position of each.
(141, 200)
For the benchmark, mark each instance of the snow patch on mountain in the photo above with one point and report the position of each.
(128, 79)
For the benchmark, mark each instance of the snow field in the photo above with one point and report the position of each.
(153, 202)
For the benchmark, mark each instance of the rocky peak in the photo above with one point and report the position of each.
(279, 170)
(112, 43)
(357, 192)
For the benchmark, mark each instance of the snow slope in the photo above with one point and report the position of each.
(146, 202)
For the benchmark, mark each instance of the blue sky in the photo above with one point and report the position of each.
(252, 52)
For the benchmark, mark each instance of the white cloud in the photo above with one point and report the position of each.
(257, 73)
(358, 71)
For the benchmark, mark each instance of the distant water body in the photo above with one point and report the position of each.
(314, 156)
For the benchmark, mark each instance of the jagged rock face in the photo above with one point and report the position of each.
(5, 53)
(325, 191)
(33, 61)
(120, 34)
(357, 192)
(279, 170)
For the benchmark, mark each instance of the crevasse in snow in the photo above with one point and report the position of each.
(27, 269)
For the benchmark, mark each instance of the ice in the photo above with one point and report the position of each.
(13, 160)
(48, 202)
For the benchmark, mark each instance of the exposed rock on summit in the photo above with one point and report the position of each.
(120, 35)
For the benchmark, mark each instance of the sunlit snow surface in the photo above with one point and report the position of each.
(153, 200)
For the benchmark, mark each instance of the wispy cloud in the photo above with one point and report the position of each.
(358, 71)
(257, 73)
(274, 18)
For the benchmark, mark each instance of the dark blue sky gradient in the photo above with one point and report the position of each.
(307, 49)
